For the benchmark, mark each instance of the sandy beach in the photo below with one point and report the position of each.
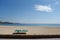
(31, 30)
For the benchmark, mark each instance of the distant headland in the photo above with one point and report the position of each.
(6, 22)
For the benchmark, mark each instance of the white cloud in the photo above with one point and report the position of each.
(56, 3)
(43, 8)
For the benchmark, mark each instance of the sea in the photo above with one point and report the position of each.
(18, 24)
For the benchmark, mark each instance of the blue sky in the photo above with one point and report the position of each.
(30, 11)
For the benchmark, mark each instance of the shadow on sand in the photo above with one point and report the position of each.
(28, 36)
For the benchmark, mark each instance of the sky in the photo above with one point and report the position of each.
(30, 11)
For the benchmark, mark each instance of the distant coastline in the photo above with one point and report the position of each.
(20, 24)
(5, 22)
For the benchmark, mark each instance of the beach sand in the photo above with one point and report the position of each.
(37, 30)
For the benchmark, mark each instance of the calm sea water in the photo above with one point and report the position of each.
(17, 24)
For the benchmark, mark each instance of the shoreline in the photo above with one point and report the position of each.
(30, 26)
